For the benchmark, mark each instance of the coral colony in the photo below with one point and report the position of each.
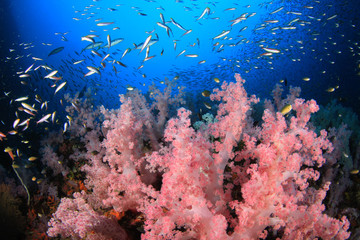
(142, 175)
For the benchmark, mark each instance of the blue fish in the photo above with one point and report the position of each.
(55, 51)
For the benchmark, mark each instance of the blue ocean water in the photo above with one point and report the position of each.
(321, 43)
(312, 44)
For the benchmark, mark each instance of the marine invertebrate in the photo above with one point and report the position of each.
(272, 167)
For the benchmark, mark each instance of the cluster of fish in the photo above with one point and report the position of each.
(300, 19)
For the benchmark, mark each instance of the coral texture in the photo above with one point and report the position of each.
(234, 179)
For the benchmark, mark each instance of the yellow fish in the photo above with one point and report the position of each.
(286, 109)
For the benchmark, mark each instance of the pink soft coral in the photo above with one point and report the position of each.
(274, 170)
(186, 198)
(77, 219)
(233, 181)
